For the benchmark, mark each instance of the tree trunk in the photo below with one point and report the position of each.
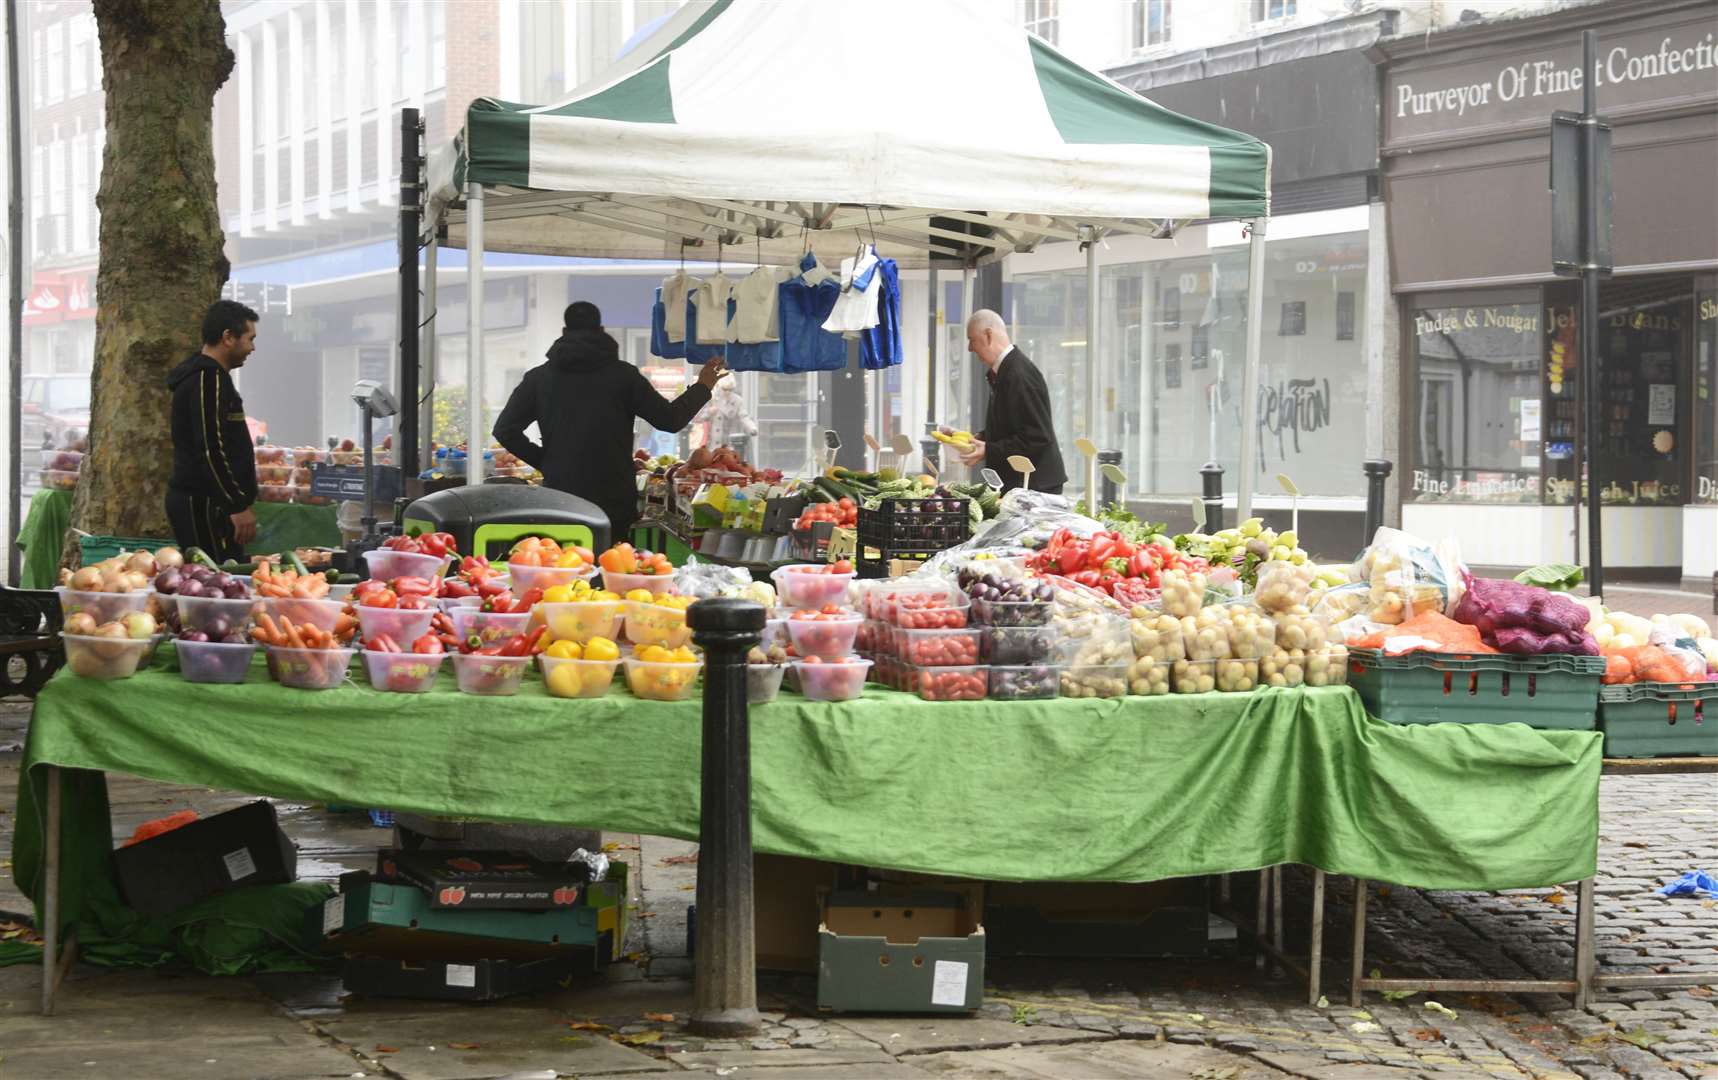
(162, 259)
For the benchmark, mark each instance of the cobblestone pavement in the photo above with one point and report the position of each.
(1221, 1019)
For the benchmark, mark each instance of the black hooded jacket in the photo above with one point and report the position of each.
(583, 402)
(212, 453)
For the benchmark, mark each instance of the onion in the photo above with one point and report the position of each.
(168, 580)
(236, 591)
(216, 626)
(87, 579)
(190, 586)
(81, 623)
(142, 562)
(193, 635)
(169, 557)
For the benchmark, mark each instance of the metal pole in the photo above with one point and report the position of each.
(1261, 917)
(14, 295)
(1589, 333)
(724, 972)
(426, 352)
(1212, 477)
(1250, 374)
(1584, 937)
(1109, 492)
(475, 437)
(934, 340)
(369, 518)
(968, 296)
(406, 441)
(1091, 245)
(1315, 948)
(1376, 473)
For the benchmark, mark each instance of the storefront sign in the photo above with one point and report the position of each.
(1514, 318)
(1635, 65)
(1497, 488)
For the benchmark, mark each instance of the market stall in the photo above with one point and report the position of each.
(281, 526)
(688, 145)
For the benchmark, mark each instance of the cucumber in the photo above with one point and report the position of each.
(197, 554)
(291, 559)
(835, 489)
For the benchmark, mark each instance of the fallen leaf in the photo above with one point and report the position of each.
(387, 1049)
(647, 914)
(687, 888)
(642, 1038)
(1323, 1002)
(587, 1025)
(575, 1040)
(1197, 1018)
(1399, 995)
(1640, 1037)
(1596, 1040)
(1432, 1006)
(661, 1018)
(1361, 1027)
(462, 1046)
(1635, 844)
(681, 860)
(1361, 1014)
(633, 957)
(1556, 898)
(1428, 1034)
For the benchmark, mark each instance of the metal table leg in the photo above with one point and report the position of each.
(1359, 970)
(1583, 942)
(51, 893)
(1277, 908)
(1315, 952)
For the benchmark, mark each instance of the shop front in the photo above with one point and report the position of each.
(1491, 381)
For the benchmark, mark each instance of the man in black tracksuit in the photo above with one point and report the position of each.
(583, 402)
(214, 480)
(1018, 420)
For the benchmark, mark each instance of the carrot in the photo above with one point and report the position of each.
(293, 637)
(318, 586)
(268, 631)
(344, 625)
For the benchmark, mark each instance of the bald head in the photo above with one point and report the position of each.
(987, 336)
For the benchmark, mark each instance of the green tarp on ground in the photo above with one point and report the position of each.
(279, 526)
(1134, 789)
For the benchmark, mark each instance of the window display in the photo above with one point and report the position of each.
(1477, 418)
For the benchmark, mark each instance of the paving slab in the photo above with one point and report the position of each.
(428, 1047)
(1319, 1067)
(858, 1054)
(928, 1034)
(1095, 1061)
(867, 1071)
(286, 1055)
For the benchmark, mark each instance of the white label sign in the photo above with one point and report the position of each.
(240, 865)
(1661, 404)
(333, 914)
(1530, 420)
(462, 975)
(948, 983)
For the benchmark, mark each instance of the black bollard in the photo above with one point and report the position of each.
(724, 966)
(1376, 473)
(1212, 474)
(1109, 492)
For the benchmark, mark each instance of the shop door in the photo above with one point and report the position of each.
(1644, 363)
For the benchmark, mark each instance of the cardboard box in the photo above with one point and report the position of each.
(901, 951)
(506, 880)
(1098, 919)
(787, 908)
(376, 918)
(475, 978)
(234, 850)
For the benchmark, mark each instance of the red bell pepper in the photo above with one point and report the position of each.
(382, 643)
(1073, 558)
(498, 603)
(428, 643)
(1088, 578)
(1102, 545)
(1115, 565)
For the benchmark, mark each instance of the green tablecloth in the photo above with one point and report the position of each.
(279, 526)
(1133, 789)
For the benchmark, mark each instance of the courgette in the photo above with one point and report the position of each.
(197, 554)
(290, 557)
(834, 488)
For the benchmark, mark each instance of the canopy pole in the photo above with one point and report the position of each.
(475, 437)
(968, 295)
(1092, 431)
(1247, 473)
(426, 354)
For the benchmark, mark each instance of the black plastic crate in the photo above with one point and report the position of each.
(781, 513)
(907, 527)
(812, 545)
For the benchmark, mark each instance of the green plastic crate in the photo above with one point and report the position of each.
(1558, 693)
(96, 548)
(1659, 720)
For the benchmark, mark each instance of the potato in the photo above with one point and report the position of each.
(1183, 592)
(1157, 636)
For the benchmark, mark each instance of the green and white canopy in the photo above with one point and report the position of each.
(777, 125)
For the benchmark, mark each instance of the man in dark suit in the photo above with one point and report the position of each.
(1018, 419)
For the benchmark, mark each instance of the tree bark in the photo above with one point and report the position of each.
(162, 249)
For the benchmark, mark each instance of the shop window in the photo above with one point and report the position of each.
(1476, 421)
(1705, 394)
(1170, 359)
(1272, 9)
(1150, 23)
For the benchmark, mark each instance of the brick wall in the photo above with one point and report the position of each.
(473, 56)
